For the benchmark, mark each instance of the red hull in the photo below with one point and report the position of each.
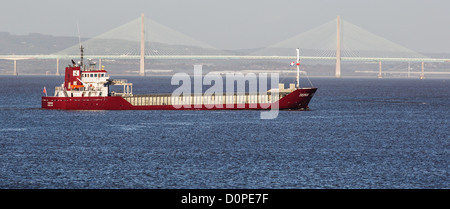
(297, 99)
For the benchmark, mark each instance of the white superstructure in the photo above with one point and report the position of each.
(89, 82)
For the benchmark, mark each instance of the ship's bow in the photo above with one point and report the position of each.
(298, 99)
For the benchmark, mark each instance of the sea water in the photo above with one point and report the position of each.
(358, 133)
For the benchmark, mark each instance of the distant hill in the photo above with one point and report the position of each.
(33, 43)
(36, 43)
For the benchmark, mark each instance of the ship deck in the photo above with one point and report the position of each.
(198, 99)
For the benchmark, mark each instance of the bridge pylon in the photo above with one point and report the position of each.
(57, 67)
(15, 67)
(422, 74)
(142, 60)
(338, 48)
(379, 70)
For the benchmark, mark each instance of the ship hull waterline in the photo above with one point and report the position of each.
(298, 99)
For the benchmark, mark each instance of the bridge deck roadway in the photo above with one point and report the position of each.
(222, 57)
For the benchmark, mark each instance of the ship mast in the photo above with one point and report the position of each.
(81, 58)
(81, 47)
(298, 68)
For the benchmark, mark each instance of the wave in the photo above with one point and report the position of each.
(13, 129)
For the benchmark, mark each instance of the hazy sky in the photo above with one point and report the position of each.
(421, 25)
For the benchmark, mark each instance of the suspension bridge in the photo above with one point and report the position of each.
(144, 39)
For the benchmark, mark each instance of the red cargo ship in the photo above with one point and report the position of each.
(87, 88)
